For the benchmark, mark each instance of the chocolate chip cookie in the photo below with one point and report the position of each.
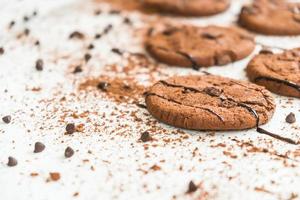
(188, 8)
(279, 73)
(209, 102)
(271, 17)
(196, 47)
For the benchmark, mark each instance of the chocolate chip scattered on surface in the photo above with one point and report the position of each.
(192, 187)
(290, 118)
(39, 65)
(39, 147)
(6, 119)
(69, 152)
(12, 161)
(70, 128)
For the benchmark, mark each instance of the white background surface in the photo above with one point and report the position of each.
(118, 162)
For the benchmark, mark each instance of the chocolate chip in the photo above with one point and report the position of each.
(38, 147)
(69, 152)
(97, 12)
(213, 91)
(1, 50)
(77, 69)
(169, 31)
(12, 161)
(6, 119)
(34, 13)
(87, 57)
(141, 105)
(26, 18)
(91, 46)
(209, 36)
(76, 35)
(291, 118)
(145, 137)
(11, 24)
(126, 86)
(103, 86)
(127, 20)
(192, 187)
(266, 51)
(114, 12)
(37, 43)
(70, 128)
(39, 65)
(26, 31)
(117, 51)
(98, 35)
(107, 29)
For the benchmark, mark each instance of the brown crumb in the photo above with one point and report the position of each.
(54, 176)
(34, 174)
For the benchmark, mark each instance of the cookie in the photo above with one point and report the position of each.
(279, 73)
(209, 102)
(188, 8)
(271, 17)
(196, 47)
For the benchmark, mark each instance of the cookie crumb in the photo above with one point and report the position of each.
(54, 176)
(34, 174)
(145, 137)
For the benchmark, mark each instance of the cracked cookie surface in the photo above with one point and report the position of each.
(271, 17)
(189, 8)
(279, 73)
(196, 47)
(209, 102)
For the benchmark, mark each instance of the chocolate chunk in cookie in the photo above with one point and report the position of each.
(197, 47)
(209, 103)
(188, 8)
(271, 17)
(279, 73)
